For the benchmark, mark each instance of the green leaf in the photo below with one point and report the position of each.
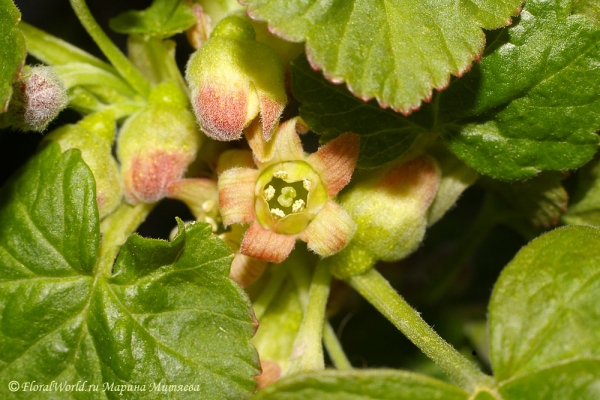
(162, 19)
(12, 50)
(590, 8)
(392, 50)
(584, 208)
(330, 110)
(545, 318)
(529, 105)
(168, 316)
(541, 200)
(360, 385)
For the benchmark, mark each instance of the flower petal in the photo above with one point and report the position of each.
(267, 245)
(236, 195)
(330, 231)
(335, 161)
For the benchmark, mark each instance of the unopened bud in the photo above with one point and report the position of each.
(156, 145)
(38, 97)
(390, 209)
(233, 78)
(93, 136)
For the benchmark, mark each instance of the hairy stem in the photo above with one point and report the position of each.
(334, 348)
(115, 229)
(307, 353)
(377, 290)
(114, 55)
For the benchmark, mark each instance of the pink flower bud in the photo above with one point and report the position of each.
(38, 97)
(156, 145)
(233, 79)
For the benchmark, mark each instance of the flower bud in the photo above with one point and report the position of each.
(233, 78)
(390, 209)
(156, 145)
(38, 97)
(93, 136)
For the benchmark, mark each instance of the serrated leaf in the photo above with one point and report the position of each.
(330, 110)
(545, 317)
(168, 316)
(541, 200)
(162, 19)
(394, 51)
(584, 207)
(12, 50)
(360, 385)
(530, 104)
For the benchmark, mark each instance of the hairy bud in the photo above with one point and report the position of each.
(233, 78)
(156, 145)
(38, 97)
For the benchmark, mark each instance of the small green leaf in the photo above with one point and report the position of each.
(545, 315)
(330, 110)
(529, 105)
(360, 385)
(12, 50)
(584, 208)
(162, 19)
(168, 316)
(392, 50)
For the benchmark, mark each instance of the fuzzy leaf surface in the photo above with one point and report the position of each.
(168, 315)
(162, 19)
(360, 385)
(396, 51)
(12, 50)
(545, 318)
(530, 105)
(331, 110)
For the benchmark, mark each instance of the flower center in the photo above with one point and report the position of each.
(288, 196)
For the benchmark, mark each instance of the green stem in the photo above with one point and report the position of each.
(262, 302)
(114, 55)
(307, 353)
(334, 348)
(377, 290)
(115, 229)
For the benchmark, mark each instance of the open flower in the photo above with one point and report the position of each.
(289, 196)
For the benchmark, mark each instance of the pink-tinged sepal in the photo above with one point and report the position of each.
(330, 231)
(246, 270)
(270, 112)
(335, 161)
(267, 245)
(285, 145)
(236, 195)
(223, 109)
(146, 178)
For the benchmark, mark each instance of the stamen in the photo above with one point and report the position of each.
(277, 212)
(281, 174)
(298, 206)
(269, 193)
(306, 184)
(287, 196)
